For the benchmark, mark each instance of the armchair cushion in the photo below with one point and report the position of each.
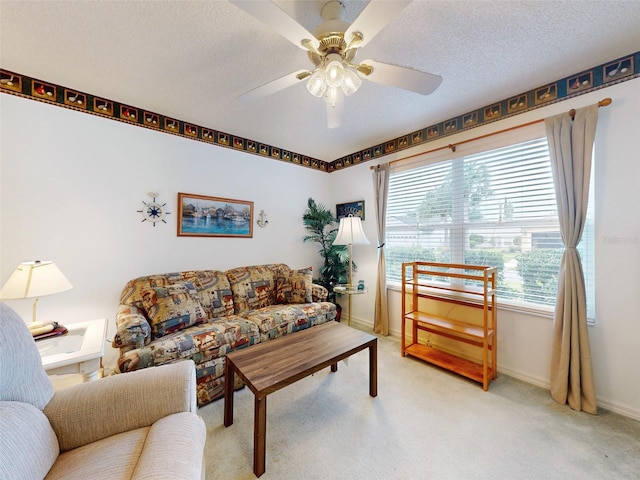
(144, 453)
(27, 442)
(172, 308)
(22, 377)
(154, 463)
(119, 403)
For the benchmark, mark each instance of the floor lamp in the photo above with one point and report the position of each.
(350, 233)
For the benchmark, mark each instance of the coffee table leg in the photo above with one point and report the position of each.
(373, 369)
(334, 367)
(229, 380)
(259, 435)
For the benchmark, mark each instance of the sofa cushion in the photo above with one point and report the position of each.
(28, 444)
(200, 343)
(172, 308)
(294, 286)
(214, 292)
(132, 292)
(212, 286)
(277, 320)
(252, 287)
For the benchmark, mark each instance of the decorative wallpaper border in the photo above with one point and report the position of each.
(610, 73)
(616, 71)
(34, 89)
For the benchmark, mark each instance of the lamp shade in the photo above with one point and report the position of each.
(35, 279)
(350, 232)
(317, 85)
(351, 82)
(334, 73)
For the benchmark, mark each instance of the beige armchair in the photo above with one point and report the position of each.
(139, 425)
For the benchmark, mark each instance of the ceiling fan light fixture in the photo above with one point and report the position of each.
(351, 82)
(334, 73)
(317, 85)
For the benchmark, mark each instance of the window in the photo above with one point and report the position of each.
(495, 207)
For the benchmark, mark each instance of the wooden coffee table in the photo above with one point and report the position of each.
(268, 367)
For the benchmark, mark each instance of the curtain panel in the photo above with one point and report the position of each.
(380, 193)
(571, 150)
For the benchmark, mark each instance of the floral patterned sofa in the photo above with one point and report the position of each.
(204, 314)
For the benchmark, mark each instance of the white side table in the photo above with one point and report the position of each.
(80, 351)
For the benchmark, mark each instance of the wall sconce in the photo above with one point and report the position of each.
(262, 219)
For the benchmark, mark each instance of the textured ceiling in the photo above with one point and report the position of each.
(190, 60)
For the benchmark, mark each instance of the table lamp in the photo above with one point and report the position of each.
(34, 280)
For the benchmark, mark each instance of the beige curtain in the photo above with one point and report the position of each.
(380, 192)
(571, 149)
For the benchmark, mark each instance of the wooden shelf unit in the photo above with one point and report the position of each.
(429, 285)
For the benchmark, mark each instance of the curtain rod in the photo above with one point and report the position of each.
(602, 103)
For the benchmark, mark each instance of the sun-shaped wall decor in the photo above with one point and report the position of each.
(153, 211)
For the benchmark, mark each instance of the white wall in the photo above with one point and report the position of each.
(71, 185)
(524, 341)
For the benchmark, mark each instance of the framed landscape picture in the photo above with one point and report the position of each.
(203, 216)
(355, 209)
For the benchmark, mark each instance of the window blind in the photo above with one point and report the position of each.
(495, 208)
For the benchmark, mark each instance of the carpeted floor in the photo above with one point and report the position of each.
(426, 423)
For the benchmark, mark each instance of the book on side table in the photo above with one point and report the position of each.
(40, 331)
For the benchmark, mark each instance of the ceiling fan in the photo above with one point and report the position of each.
(332, 48)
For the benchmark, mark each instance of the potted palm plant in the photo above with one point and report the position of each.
(321, 225)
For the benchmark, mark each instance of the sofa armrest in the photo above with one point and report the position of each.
(133, 330)
(318, 292)
(91, 411)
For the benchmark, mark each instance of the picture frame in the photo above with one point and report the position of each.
(205, 216)
(355, 209)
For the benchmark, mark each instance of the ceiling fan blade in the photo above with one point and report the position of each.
(373, 18)
(335, 110)
(274, 17)
(274, 86)
(401, 77)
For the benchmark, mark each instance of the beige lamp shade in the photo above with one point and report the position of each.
(35, 279)
(350, 232)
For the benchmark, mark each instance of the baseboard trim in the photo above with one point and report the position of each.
(367, 325)
(619, 409)
(531, 379)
